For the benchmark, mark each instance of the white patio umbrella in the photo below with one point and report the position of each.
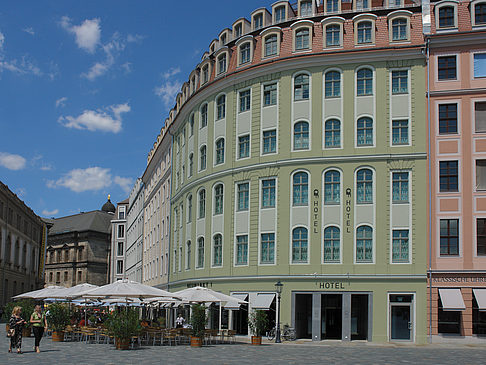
(127, 289)
(74, 292)
(44, 293)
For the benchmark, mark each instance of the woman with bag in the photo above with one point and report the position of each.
(16, 323)
(39, 325)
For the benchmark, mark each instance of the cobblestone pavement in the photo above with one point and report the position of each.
(243, 353)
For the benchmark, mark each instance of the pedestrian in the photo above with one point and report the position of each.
(180, 321)
(16, 323)
(39, 325)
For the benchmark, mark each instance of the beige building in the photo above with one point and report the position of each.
(119, 242)
(22, 234)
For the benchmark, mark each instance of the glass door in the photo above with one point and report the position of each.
(401, 323)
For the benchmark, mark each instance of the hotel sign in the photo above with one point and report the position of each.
(348, 203)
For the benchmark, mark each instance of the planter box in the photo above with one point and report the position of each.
(58, 336)
(122, 344)
(196, 341)
(256, 340)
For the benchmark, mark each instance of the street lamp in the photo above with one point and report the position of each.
(278, 288)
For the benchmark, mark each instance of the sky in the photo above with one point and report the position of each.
(85, 87)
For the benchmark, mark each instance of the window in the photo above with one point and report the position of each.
(267, 254)
(80, 276)
(242, 250)
(189, 209)
(299, 245)
(221, 107)
(202, 203)
(244, 101)
(301, 136)
(191, 164)
(217, 250)
(447, 67)
(205, 74)
(271, 45)
(481, 236)
(364, 244)
(218, 199)
(395, 3)
(400, 249)
(400, 82)
(480, 116)
(480, 174)
(332, 6)
(305, 8)
(188, 255)
(120, 249)
(222, 63)
(200, 252)
(365, 32)
(333, 84)
(244, 146)
(331, 244)
(449, 237)
(121, 215)
(243, 196)
(479, 65)
(202, 158)
(446, 17)
(332, 133)
(332, 187)
(302, 39)
(280, 14)
(238, 30)
(270, 94)
(399, 132)
(365, 132)
(480, 14)
(121, 231)
(448, 118)
(400, 187)
(119, 267)
(58, 274)
(245, 53)
(191, 125)
(364, 80)
(333, 35)
(220, 151)
(258, 21)
(270, 141)
(65, 276)
(362, 4)
(300, 188)
(268, 193)
(301, 87)
(399, 29)
(448, 173)
(204, 115)
(364, 186)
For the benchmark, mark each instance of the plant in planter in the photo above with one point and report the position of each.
(58, 317)
(161, 322)
(198, 323)
(258, 323)
(123, 325)
(27, 306)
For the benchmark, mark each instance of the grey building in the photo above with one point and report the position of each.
(134, 250)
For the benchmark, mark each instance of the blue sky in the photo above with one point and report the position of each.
(85, 87)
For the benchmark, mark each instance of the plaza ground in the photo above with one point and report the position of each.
(299, 352)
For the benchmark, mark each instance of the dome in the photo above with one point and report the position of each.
(108, 206)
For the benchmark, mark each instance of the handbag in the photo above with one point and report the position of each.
(11, 332)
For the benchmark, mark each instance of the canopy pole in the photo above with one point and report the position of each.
(219, 317)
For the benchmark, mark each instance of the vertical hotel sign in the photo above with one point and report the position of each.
(42, 252)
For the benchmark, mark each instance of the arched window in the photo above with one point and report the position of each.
(301, 188)
(191, 125)
(188, 255)
(301, 87)
(399, 29)
(332, 187)
(299, 244)
(218, 199)
(191, 164)
(271, 45)
(280, 14)
(364, 244)
(200, 252)
(245, 53)
(364, 131)
(302, 39)
(222, 63)
(217, 250)
(364, 186)
(301, 136)
(333, 84)
(204, 115)
(221, 107)
(364, 82)
(446, 17)
(365, 32)
(333, 35)
(331, 244)
(202, 203)
(332, 133)
(189, 208)
(220, 151)
(202, 158)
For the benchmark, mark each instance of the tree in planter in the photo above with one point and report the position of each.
(258, 322)
(58, 317)
(198, 320)
(123, 325)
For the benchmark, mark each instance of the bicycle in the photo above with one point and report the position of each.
(287, 333)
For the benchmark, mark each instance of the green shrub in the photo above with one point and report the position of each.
(27, 305)
(123, 324)
(198, 320)
(58, 316)
(258, 322)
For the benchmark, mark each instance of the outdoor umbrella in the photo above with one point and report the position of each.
(44, 293)
(74, 292)
(127, 289)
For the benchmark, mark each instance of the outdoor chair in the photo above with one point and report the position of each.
(231, 336)
(171, 336)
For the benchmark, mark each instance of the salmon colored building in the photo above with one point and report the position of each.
(457, 168)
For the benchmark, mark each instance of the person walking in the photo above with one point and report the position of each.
(16, 323)
(39, 325)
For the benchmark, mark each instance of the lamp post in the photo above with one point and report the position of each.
(278, 288)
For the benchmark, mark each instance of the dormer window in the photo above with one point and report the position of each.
(479, 13)
(280, 14)
(302, 39)
(222, 63)
(333, 35)
(258, 21)
(446, 17)
(223, 39)
(205, 74)
(399, 29)
(332, 6)
(305, 8)
(362, 4)
(238, 30)
(364, 32)
(271, 45)
(245, 53)
(395, 3)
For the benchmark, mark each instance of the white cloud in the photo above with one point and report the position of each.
(11, 161)
(124, 182)
(87, 34)
(61, 102)
(29, 30)
(98, 69)
(94, 120)
(2, 40)
(21, 67)
(168, 91)
(127, 67)
(38, 161)
(50, 213)
(80, 180)
(171, 72)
